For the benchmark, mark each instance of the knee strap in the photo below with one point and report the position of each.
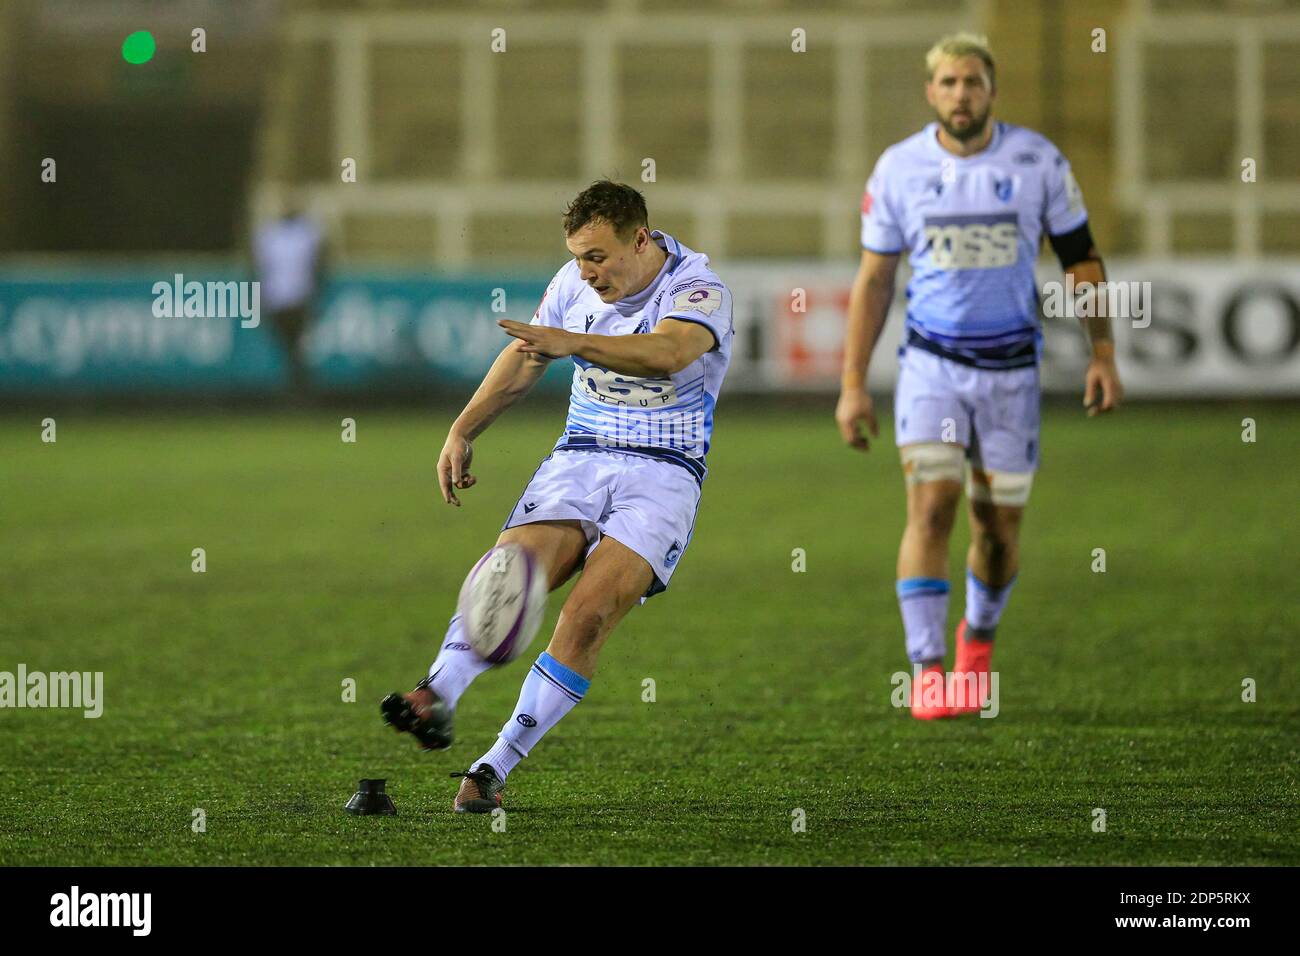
(999, 487)
(932, 461)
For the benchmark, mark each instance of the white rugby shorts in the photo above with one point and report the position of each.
(992, 413)
(645, 503)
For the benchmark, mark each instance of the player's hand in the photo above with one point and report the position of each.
(1102, 391)
(541, 339)
(453, 467)
(855, 408)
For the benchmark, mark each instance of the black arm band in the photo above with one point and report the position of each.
(1074, 247)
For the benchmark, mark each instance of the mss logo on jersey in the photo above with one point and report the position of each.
(973, 242)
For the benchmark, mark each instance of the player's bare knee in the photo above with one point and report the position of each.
(585, 621)
(933, 472)
(995, 532)
(932, 509)
(996, 544)
(933, 522)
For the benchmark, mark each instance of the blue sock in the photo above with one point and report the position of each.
(985, 604)
(924, 603)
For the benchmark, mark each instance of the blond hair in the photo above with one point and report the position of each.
(955, 47)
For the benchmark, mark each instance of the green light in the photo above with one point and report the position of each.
(138, 47)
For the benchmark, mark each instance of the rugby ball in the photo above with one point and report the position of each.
(502, 603)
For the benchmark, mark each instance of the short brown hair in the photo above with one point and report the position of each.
(615, 203)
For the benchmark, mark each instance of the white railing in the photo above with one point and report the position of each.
(1157, 201)
(708, 200)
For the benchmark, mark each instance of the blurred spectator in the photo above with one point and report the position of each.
(289, 259)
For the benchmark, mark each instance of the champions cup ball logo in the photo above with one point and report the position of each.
(704, 299)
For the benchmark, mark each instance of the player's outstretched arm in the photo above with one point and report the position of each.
(670, 347)
(869, 301)
(511, 376)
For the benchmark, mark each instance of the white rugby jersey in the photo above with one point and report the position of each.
(669, 417)
(972, 227)
(286, 253)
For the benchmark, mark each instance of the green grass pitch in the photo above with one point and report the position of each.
(327, 561)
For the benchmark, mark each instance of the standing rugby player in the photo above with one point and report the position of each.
(969, 199)
(647, 325)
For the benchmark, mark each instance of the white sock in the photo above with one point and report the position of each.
(924, 603)
(985, 604)
(550, 691)
(456, 665)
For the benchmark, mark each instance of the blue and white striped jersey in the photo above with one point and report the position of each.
(669, 417)
(972, 227)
